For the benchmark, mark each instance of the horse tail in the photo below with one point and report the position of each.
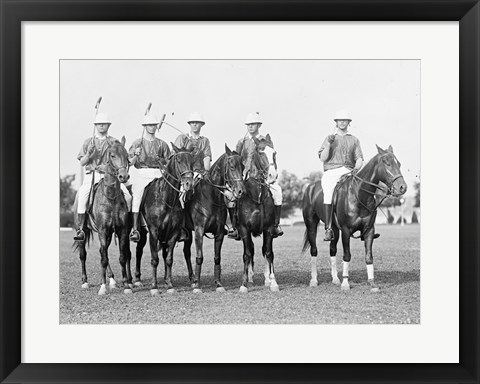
(306, 243)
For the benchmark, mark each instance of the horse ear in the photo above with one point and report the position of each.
(227, 150)
(380, 150)
(390, 149)
(123, 141)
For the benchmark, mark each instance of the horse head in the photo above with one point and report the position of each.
(389, 171)
(180, 166)
(233, 171)
(265, 157)
(118, 160)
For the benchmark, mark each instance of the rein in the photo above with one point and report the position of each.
(109, 167)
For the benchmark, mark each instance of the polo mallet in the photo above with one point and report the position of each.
(97, 107)
(161, 121)
(147, 111)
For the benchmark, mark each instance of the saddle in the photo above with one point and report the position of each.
(340, 183)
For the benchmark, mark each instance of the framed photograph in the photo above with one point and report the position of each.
(232, 139)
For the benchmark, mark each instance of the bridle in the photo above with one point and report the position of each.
(260, 179)
(115, 173)
(228, 180)
(387, 191)
(178, 175)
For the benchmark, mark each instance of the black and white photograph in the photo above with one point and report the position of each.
(240, 191)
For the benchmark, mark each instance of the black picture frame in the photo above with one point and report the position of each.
(467, 12)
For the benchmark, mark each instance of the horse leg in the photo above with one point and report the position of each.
(369, 259)
(83, 260)
(248, 252)
(154, 262)
(112, 284)
(346, 259)
(333, 255)
(216, 260)
(199, 259)
(267, 250)
(138, 256)
(187, 253)
(168, 258)
(311, 234)
(125, 256)
(105, 240)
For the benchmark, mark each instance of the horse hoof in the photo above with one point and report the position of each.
(154, 292)
(197, 290)
(130, 285)
(112, 284)
(84, 285)
(103, 290)
(274, 288)
(127, 291)
(243, 289)
(221, 290)
(336, 281)
(138, 284)
(345, 287)
(374, 289)
(171, 291)
(313, 283)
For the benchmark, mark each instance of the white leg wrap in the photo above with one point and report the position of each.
(313, 265)
(250, 273)
(345, 269)
(266, 273)
(370, 271)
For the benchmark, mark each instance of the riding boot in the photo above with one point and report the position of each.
(328, 222)
(134, 234)
(80, 235)
(277, 230)
(233, 232)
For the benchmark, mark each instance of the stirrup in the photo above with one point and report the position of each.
(233, 234)
(277, 231)
(329, 235)
(80, 236)
(135, 235)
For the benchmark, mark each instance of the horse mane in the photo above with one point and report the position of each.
(368, 168)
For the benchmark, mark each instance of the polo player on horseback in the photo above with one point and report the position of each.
(201, 151)
(93, 155)
(341, 154)
(246, 147)
(146, 154)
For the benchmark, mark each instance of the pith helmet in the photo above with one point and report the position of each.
(196, 116)
(342, 115)
(102, 118)
(150, 119)
(253, 118)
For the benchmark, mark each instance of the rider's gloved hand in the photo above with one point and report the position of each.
(354, 171)
(91, 148)
(138, 151)
(331, 138)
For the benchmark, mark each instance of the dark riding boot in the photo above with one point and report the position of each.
(328, 223)
(277, 230)
(134, 234)
(183, 235)
(233, 232)
(80, 235)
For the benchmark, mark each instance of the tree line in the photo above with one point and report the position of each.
(293, 188)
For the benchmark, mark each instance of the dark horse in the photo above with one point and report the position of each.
(108, 214)
(256, 215)
(206, 212)
(164, 215)
(355, 209)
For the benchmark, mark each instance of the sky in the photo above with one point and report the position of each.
(297, 100)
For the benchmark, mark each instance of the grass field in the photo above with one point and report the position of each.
(397, 272)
